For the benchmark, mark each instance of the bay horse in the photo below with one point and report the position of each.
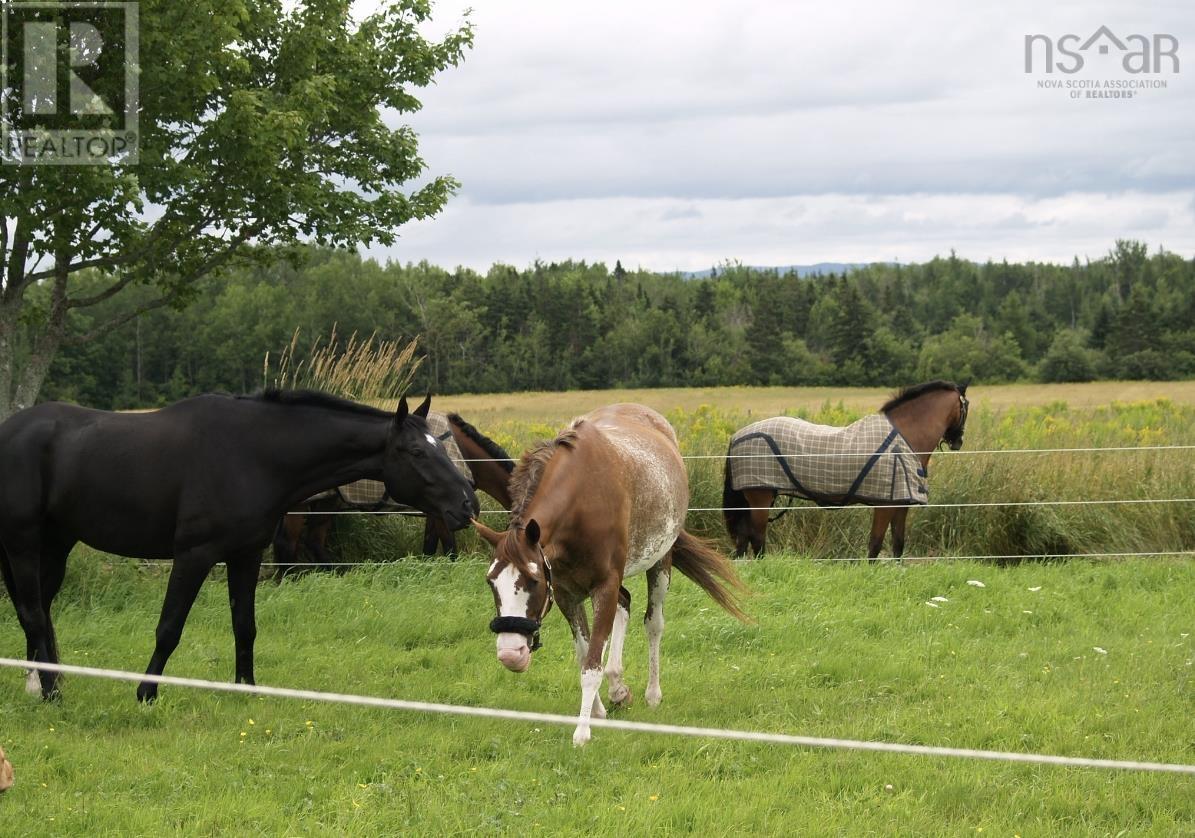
(201, 481)
(922, 417)
(486, 464)
(605, 500)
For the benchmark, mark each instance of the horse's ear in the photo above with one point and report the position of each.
(486, 533)
(532, 531)
(422, 410)
(962, 388)
(400, 415)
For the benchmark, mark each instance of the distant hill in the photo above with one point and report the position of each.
(800, 270)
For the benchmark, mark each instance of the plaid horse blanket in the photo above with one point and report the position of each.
(866, 462)
(370, 494)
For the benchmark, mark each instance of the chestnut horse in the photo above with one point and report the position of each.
(606, 499)
(486, 464)
(200, 482)
(926, 416)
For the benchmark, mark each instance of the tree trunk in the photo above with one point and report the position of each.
(21, 382)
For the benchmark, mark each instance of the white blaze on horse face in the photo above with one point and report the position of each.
(431, 440)
(513, 651)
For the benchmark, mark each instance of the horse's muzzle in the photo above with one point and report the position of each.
(459, 517)
(515, 658)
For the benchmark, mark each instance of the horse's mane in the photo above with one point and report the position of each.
(488, 445)
(314, 398)
(530, 470)
(917, 391)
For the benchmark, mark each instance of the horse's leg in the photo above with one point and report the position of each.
(617, 689)
(447, 538)
(760, 501)
(186, 577)
(22, 576)
(286, 543)
(898, 531)
(431, 539)
(55, 550)
(658, 578)
(317, 541)
(32, 681)
(605, 605)
(574, 612)
(881, 517)
(242, 593)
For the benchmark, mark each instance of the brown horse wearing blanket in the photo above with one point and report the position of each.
(606, 499)
(882, 460)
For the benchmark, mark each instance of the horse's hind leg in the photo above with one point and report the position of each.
(21, 562)
(286, 543)
(760, 501)
(880, 518)
(617, 689)
(658, 578)
(242, 593)
(898, 531)
(53, 572)
(186, 577)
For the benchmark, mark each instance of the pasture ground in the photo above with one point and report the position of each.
(1097, 661)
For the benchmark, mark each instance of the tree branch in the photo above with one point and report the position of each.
(217, 261)
(117, 322)
(111, 291)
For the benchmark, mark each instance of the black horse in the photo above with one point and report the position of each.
(202, 481)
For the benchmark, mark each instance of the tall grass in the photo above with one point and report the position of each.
(939, 530)
(1004, 477)
(363, 369)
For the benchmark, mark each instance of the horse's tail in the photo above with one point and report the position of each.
(733, 502)
(696, 558)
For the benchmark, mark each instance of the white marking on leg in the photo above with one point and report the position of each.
(618, 691)
(33, 682)
(655, 631)
(580, 644)
(591, 680)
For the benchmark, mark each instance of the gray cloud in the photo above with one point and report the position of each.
(768, 126)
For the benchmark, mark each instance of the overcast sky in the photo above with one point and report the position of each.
(676, 135)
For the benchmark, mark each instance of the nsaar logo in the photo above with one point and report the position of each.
(1131, 65)
(1140, 53)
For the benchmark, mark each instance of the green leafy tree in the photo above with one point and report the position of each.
(260, 127)
(1068, 359)
(968, 352)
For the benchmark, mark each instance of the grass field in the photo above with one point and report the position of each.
(839, 650)
(1107, 415)
(1083, 658)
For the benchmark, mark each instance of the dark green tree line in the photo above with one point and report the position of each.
(574, 325)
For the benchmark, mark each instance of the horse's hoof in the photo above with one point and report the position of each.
(147, 693)
(581, 736)
(621, 696)
(32, 683)
(654, 697)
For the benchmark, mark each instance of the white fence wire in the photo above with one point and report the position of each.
(613, 724)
